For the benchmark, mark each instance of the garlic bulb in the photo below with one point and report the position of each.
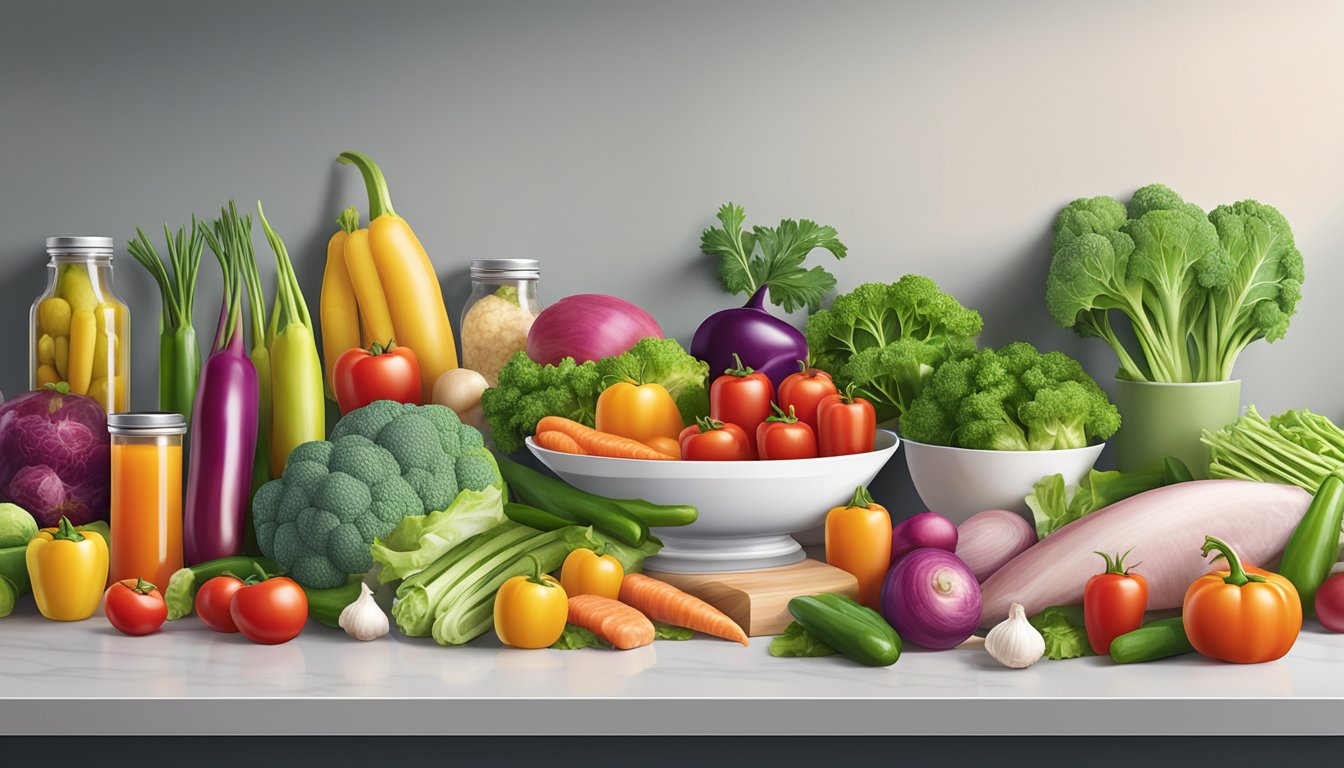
(363, 619)
(1014, 643)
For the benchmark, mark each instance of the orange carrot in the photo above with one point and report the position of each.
(663, 602)
(558, 441)
(599, 443)
(613, 621)
(665, 445)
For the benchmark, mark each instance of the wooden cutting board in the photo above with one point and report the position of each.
(758, 600)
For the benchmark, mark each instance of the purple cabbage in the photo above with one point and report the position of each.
(764, 342)
(55, 458)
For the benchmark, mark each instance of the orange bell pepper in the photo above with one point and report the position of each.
(1244, 615)
(638, 411)
(858, 540)
(592, 572)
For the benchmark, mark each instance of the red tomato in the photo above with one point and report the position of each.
(845, 425)
(711, 440)
(741, 396)
(134, 607)
(271, 611)
(803, 392)
(361, 376)
(213, 600)
(785, 436)
(1113, 604)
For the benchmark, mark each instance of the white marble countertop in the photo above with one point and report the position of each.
(190, 680)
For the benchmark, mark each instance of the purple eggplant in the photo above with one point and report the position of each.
(765, 342)
(224, 416)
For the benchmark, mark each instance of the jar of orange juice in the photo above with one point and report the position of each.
(146, 496)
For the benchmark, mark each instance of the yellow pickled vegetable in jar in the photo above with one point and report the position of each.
(79, 327)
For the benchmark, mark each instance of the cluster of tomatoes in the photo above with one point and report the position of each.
(807, 418)
(265, 610)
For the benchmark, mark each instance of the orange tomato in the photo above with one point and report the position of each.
(587, 572)
(1244, 615)
(638, 411)
(858, 540)
(665, 445)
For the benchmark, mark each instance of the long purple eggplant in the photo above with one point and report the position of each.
(224, 417)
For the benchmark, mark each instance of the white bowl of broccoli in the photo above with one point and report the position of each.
(986, 428)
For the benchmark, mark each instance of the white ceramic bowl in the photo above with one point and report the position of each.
(747, 509)
(959, 482)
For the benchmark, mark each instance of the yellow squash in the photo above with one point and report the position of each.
(410, 287)
(337, 310)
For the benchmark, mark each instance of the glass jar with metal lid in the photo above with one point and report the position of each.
(146, 495)
(79, 329)
(499, 313)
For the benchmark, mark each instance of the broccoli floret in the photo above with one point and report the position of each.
(1013, 399)
(885, 340)
(384, 462)
(527, 391)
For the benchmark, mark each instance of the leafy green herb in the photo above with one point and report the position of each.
(574, 638)
(1064, 632)
(797, 641)
(772, 257)
(663, 631)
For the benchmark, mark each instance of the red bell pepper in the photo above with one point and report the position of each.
(803, 392)
(845, 425)
(362, 376)
(741, 396)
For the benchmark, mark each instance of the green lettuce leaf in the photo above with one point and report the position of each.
(419, 540)
(1064, 632)
(575, 638)
(663, 631)
(797, 641)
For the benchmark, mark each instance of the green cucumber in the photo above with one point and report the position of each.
(1314, 546)
(1155, 640)
(532, 517)
(658, 515)
(325, 605)
(852, 629)
(180, 592)
(562, 499)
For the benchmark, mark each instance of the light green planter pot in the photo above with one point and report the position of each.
(1167, 419)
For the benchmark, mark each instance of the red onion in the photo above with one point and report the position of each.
(926, 529)
(588, 326)
(991, 538)
(932, 599)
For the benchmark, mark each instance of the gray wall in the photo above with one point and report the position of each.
(600, 137)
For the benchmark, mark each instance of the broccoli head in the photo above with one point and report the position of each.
(320, 517)
(885, 340)
(527, 391)
(1195, 289)
(384, 462)
(1013, 399)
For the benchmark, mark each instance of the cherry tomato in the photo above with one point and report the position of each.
(213, 600)
(134, 607)
(845, 425)
(785, 436)
(710, 440)
(741, 396)
(803, 391)
(271, 611)
(361, 376)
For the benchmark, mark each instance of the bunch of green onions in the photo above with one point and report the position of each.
(179, 354)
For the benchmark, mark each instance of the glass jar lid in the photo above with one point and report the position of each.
(80, 246)
(147, 423)
(505, 269)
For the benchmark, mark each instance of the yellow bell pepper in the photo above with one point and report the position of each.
(530, 611)
(410, 286)
(68, 570)
(589, 572)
